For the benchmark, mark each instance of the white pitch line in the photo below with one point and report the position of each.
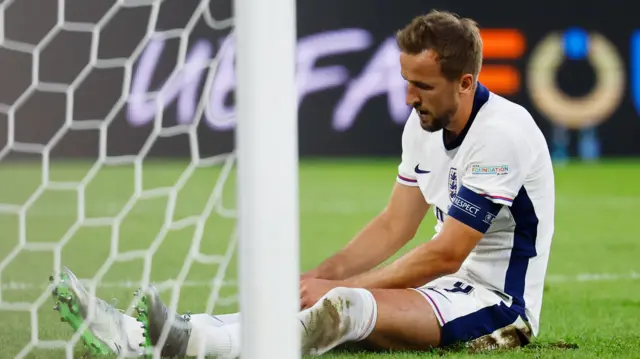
(592, 277)
(168, 284)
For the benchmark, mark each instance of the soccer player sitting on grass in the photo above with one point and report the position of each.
(478, 160)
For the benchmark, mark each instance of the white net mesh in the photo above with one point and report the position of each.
(95, 97)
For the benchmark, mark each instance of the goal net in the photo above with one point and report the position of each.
(118, 160)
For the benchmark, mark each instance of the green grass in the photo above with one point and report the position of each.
(596, 233)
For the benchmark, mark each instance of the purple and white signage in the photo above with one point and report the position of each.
(379, 77)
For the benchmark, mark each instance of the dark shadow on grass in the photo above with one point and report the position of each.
(459, 349)
(356, 349)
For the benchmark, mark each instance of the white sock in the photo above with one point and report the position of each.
(215, 320)
(222, 342)
(357, 312)
(224, 319)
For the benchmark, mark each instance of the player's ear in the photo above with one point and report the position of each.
(466, 84)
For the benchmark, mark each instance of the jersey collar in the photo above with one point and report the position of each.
(479, 99)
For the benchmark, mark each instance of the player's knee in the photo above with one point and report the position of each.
(356, 304)
(340, 293)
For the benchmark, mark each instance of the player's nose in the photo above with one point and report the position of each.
(412, 97)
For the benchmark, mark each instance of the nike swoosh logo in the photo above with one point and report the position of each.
(419, 171)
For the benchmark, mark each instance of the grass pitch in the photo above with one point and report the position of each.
(591, 298)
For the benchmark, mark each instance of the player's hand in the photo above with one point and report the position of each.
(312, 289)
(309, 275)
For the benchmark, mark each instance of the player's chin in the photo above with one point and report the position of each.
(430, 125)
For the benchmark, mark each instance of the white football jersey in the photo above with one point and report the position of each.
(496, 177)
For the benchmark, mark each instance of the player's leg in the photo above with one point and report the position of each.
(405, 322)
(383, 319)
(395, 323)
(392, 319)
(440, 314)
(445, 312)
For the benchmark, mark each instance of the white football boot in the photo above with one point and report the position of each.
(107, 328)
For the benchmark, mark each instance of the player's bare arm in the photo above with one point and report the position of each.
(441, 256)
(396, 225)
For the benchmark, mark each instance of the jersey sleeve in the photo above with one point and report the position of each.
(493, 174)
(406, 169)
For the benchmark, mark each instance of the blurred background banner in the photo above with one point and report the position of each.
(575, 67)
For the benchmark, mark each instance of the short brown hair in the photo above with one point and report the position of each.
(456, 42)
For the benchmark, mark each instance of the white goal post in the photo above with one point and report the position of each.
(267, 147)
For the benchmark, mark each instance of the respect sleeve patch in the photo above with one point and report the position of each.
(474, 210)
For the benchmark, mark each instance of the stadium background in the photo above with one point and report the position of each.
(351, 93)
(351, 111)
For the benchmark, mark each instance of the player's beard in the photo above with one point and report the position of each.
(432, 123)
